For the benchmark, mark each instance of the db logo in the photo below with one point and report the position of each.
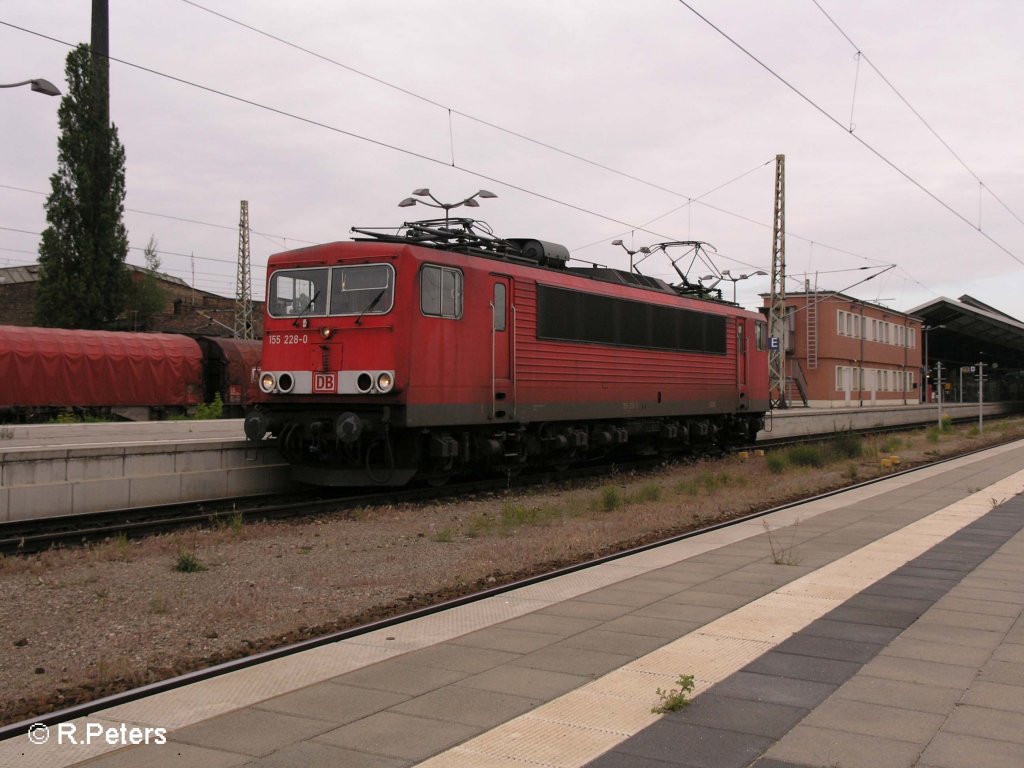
(325, 382)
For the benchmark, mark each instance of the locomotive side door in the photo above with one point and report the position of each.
(502, 347)
(742, 361)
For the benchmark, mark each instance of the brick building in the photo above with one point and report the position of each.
(186, 310)
(841, 351)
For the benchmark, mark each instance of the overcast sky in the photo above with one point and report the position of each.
(665, 103)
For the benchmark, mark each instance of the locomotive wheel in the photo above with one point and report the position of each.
(291, 442)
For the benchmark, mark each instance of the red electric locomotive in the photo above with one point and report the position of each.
(436, 348)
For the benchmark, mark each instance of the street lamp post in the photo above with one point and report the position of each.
(927, 370)
(469, 202)
(39, 85)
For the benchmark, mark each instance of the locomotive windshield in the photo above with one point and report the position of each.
(358, 290)
(298, 292)
(365, 289)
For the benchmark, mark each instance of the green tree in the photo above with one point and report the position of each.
(83, 282)
(147, 298)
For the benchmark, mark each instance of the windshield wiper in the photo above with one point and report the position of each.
(305, 309)
(378, 297)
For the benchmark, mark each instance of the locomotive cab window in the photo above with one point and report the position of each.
(362, 290)
(295, 292)
(441, 292)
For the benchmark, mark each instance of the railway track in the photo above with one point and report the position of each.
(36, 535)
(31, 536)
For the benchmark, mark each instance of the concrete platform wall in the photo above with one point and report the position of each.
(797, 422)
(38, 483)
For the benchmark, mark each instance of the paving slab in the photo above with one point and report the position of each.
(623, 643)
(955, 750)
(690, 746)
(995, 696)
(401, 677)
(575, 661)
(251, 732)
(312, 754)
(338, 704)
(919, 697)
(843, 749)
(395, 735)
(876, 720)
(468, 706)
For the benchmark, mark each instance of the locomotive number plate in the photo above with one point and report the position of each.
(287, 338)
(325, 383)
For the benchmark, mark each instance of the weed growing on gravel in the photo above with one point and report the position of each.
(707, 482)
(116, 549)
(891, 444)
(187, 562)
(444, 536)
(777, 462)
(807, 456)
(235, 523)
(675, 699)
(513, 514)
(852, 471)
(609, 500)
(846, 445)
(158, 604)
(933, 435)
(649, 492)
(479, 525)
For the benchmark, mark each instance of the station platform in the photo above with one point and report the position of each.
(880, 627)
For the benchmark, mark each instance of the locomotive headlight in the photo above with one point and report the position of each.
(385, 382)
(267, 382)
(326, 332)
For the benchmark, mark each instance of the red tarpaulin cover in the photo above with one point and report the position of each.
(56, 367)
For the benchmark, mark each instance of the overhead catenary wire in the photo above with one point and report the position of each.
(857, 138)
(452, 111)
(175, 218)
(403, 150)
(918, 115)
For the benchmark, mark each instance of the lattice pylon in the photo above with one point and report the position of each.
(243, 290)
(777, 304)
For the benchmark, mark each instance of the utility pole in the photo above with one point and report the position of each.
(243, 291)
(777, 303)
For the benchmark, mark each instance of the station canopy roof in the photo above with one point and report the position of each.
(967, 331)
